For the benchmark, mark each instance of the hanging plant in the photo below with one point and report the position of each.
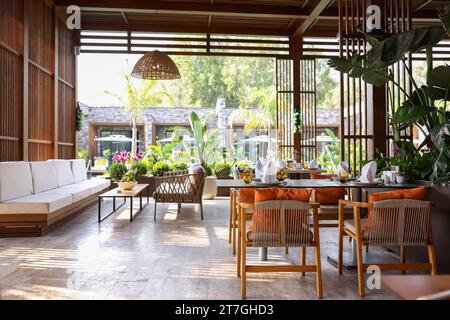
(79, 118)
(298, 122)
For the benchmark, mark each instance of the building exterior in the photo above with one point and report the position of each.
(157, 124)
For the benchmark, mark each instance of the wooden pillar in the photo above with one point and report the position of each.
(26, 66)
(295, 48)
(56, 86)
(377, 98)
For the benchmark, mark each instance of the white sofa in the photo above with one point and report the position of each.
(37, 195)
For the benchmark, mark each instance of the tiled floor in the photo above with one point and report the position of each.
(178, 257)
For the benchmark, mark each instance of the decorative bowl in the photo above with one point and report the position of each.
(127, 185)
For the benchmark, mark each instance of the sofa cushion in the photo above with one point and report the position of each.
(95, 185)
(79, 170)
(63, 172)
(44, 176)
(36, 203)
(15, 180)
(77, 192)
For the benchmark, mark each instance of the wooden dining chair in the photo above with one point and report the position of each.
(281, 223)
(399, 222)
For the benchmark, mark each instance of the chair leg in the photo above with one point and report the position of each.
(402, 256)
(432, 259)
(286, 250)
(367, 248)
(230, 226)
(238, 264)
(234, 229)
(201, 210)
(360, 267)
(340, 249)
(154, 212)
(179, 208)
(318, 273)
(303, 253)
(243, 262)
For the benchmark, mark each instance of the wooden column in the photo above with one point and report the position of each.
(56, 87)
(295, 46)
(26, 66)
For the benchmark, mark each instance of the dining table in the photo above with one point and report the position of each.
(356, 187)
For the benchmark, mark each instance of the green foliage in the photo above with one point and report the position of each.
(107, 153)
(79, 118)
(160, 168)
(331, 156)
(209, 169)
(117, 171)
(445, 19)
(206, 146)
(129, 176)
(140, 167)
(83, 154)
(159, 153)
(178, 166)
(223, 170)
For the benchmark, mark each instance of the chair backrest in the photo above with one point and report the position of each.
(280, 223)
(197, 180)
(175, 173)
(399, 222)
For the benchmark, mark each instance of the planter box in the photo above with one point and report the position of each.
(224, 192)
(150, 180)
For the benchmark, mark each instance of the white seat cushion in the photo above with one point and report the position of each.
(77, 192)
(15, 180)
(95, 185)
(36, 203)
(79, 170)
(44, 176)
(63, 172)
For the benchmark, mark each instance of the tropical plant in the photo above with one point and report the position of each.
(129, 176)
(178, 166)
(426, 107)
(159, 152)
(117, 171)
(331, 156)
(140, 167)
(79, 118)
(139, 96)
(206, 144)
(160, 168)
(83, 154)
(223, 170)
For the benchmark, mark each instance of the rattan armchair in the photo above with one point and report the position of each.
(181, 187)
(281, 223)
(402, 223)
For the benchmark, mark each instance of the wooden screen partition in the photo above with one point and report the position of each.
(399, 20)
(357, 132)
(37, 83)
(11, 80)
(308, 140)
(285, 96)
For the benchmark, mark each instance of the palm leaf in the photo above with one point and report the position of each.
(445, 19)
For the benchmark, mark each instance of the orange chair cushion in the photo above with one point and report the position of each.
(282, 194)
(247, 195)
(416, 194)
(268, 223)
(329, 196)
(316, 176)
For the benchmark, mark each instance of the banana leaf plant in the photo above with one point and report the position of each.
(426, 106)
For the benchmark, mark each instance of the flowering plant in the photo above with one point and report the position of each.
(124, 157)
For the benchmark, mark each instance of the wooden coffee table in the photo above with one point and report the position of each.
(137, 191)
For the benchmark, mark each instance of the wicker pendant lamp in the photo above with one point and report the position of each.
(156, 65)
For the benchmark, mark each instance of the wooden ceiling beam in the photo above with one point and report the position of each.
(193, 8)
(312, 18)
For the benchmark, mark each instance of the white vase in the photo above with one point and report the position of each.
(210, 189)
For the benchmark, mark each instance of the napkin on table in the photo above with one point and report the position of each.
(313, 164)
(368, 172)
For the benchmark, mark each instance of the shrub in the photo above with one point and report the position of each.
(117, 171)
(160, 168)
(223, 170)
(140, 167)
(209, 170)
(178, 166)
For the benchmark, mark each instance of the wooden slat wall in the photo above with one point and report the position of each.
(37, 60)
(66, 93)
(285, 108)
(11, 79)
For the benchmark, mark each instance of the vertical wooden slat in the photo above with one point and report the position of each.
(26, 48)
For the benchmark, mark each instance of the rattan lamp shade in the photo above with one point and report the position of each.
(156, 65)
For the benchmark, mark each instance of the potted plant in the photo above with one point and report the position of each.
(223, 170)
(128, 181)
(117, 171)
(206, 148)
(160, 168)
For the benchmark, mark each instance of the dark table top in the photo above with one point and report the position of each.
(306, 183)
